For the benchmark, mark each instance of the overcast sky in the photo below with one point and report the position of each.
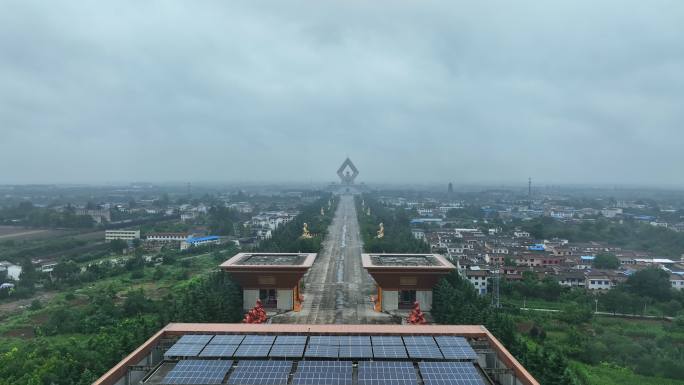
(421, 91)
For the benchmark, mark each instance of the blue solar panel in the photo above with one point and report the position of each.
(389, 351)
(324, 340)
(459, 353)
(184, 350)
(325, 365)
(322, 351)
(253, 351)
(419, 340)
(194, 339)
(248, 377)
(387, 340)
(218, 350)
(264, 365)
(294, 351)
(389, 365)
(355, 340)
(386, 373)
(258, 340)
(323, 373)
(261, 372)
(443, 341)
(356, 352)
(226, 340)
(450, 373)
(424, 352)
(198, 372)
(290, 340)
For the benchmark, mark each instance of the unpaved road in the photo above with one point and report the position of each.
(337, 289)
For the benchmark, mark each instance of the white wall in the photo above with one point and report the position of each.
(249, 297)
(424, 298)
(13, 272)
(284, 297)
(390, 300)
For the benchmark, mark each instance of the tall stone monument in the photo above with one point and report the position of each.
(347, 172)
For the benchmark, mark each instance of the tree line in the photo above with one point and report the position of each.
(397, 238)
(287, 238)
(26, 214)
(76, 344)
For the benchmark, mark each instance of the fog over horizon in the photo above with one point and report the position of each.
(413, 92)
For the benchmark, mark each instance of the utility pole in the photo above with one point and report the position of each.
(189, 189)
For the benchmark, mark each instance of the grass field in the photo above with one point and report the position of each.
(23, 233)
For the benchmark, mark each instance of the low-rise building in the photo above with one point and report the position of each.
(124, 235)
(11, 270)
(479, 279)
(200, 241)
(167, 237)
(274, 278)
(598, 281)
(403, 279)
(677, 281)
(572, 280)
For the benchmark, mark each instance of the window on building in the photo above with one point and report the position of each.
(268, 297)
(406, 298)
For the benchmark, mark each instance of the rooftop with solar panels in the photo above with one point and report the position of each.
(268, 354)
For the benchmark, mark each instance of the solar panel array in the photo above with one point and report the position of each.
(386, 373)
(261, 372)
(450, 373)
(323, 360)
(198, 372)
(323, 346)
(323, 373)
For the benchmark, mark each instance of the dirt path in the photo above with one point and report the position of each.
(9, 308)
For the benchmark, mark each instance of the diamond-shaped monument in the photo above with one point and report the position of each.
(347, 172)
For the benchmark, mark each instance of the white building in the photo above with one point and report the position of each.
(418, 233)
(611, 212)
(124, 235)
(677, 281)
(167, 237)
(479, 279)
(598, 282)
(13, 271)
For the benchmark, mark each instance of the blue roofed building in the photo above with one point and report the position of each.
(200, 241)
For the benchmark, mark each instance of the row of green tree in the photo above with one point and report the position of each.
(645, 289)
(456, 302)
(288, 237)
(77, 344)
(628, 234)
(397, 234)
(26, 214)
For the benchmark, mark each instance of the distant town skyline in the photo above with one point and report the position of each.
(573, 93)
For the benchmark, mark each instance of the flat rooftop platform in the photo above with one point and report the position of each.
(251, 261)
(433, 262)
(284, 354)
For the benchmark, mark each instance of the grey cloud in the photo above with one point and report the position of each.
(576, 92)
